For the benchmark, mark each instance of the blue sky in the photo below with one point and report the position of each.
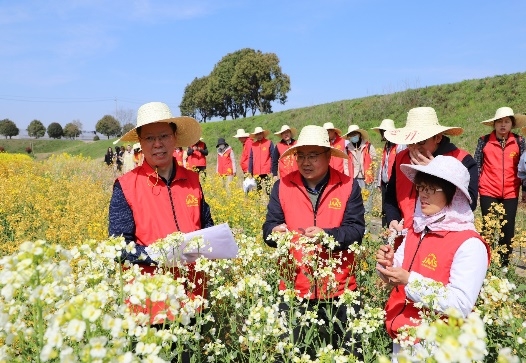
(65, 60)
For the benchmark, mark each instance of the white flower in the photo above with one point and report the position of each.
(76, 329)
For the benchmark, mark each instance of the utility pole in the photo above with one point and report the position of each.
(115, 107)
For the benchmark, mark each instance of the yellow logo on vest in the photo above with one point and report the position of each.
(430, 262)
(335, 204)
(191, 200)
(514, 154)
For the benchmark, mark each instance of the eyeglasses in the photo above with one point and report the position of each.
(311, 158)
(427, 190)
(162, 138)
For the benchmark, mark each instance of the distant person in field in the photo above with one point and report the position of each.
(386, 164)
(361, 155)
(108, 157)
(246, 142)
(138, 156)
(159, 197)
(442, 245)
(315, 199)
(425, 139)
(260, 159)
(119, 153)
(283, 167)
(226, 160)
(196, 156)
(337, 142)
(497, 156)
(128, 162)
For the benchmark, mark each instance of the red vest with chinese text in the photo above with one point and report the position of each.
(224, 163)
(261, 163)
(196, 158)
(287, 164)
(337, 163)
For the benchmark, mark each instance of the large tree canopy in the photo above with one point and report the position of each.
(55, 130)
(8, 128)
(72, 130)
(36, 129)
(246, 80)
(108, 126)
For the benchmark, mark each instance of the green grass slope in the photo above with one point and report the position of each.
(462, 104)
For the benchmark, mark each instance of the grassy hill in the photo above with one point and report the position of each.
(462, 104)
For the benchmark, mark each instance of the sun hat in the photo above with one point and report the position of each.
(443, 167)
(241, 133)
(330, 126)
(356, 128)
(520, 120)
(284, 128)
(137, 145)
(386, 125)
(257, 130)
(221, 141)
(312, 135)
(422, 123)
(188, 129)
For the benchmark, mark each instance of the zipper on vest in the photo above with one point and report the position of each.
(173, 207)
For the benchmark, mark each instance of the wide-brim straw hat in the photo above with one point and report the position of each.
(188, 129)
(137, 145)
(443, 167)
(284, 128)
(422, 124)
(330, 126)
(356, 128)
(241, 133)
(386, 125)
(520, 120)
(312, 135)
(257, 130)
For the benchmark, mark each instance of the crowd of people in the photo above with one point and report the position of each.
(429, 188)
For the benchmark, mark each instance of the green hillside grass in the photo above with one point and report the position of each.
(462, 104)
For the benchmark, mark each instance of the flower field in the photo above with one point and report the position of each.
(64, 298)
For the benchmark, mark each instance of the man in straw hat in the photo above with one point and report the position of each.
(159, 197)
(312, 200)
(260, 158)
(287, 165)
(497, 156)
(425, 139)
(361, 155)
(386, 164)
(246, 141)
(339, 143)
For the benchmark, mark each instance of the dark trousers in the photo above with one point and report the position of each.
(508, 230)
(383, 188)
(330, 333)
(263, 181)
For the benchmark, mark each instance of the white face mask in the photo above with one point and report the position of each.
(354, 139)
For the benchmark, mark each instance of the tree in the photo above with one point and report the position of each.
(55, 131)
(8, 128)
(36, 129)
(78, 124)
(125, 116)
(108, 126)
(127, 127)
(71, 130)
(195, 101)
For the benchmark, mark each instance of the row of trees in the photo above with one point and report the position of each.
(37, 129)
(244, 81)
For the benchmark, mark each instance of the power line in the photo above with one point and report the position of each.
(66, 99)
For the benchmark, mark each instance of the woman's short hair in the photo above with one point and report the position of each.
(448, 188)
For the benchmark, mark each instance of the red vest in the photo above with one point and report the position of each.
(390, 160)
(196, 158)
(261, 163)
(405, 190)
(367, 163)
(178, 155)
(288, 164)
(298, 212)
(224, 163)
(498, 174)
(337, 163)
(432, 259)
(245, 155)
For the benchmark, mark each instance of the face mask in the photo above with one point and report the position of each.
(355, 139)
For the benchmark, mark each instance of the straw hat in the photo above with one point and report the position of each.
(257, 130)
(520, 120)
(356, 128)
(330, 126)
(386, 125)
(312, 135)
(443, 167)
(241, 133)
(422, 123)
(284, 128)
(188, 129)
(137, 145)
